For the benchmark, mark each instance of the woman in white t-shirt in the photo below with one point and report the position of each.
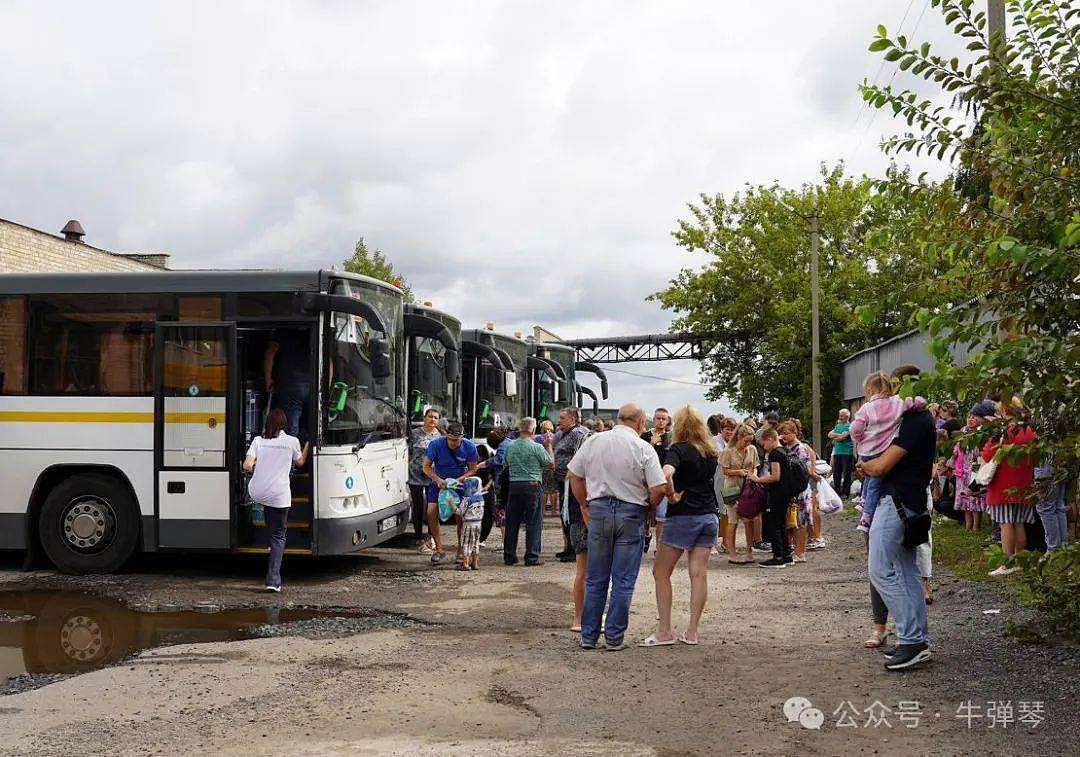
(270, 460)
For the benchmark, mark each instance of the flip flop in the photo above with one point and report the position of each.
(686, 641)
(575, 629)
(652, 641)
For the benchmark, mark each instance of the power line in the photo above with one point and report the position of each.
(658, 378)
(873, 116)
(863, 104)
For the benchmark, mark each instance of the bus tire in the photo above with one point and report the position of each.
(88, 524)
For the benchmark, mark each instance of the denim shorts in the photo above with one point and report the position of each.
(689, 531)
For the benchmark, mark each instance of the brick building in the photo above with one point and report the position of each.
(27, 250)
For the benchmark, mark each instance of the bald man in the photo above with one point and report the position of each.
(618, 474)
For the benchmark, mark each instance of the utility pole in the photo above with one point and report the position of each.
(815, 341)
(995, 20)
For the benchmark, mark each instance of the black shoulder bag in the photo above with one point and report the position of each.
(916, 527)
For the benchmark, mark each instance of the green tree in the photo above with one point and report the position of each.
(1007, 233)
(376, 265)
(751, 299)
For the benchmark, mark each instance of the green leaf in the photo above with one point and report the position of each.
(880, 44)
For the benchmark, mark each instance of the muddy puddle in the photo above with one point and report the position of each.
(45, 635)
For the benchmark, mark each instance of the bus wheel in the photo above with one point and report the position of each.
(88, 524)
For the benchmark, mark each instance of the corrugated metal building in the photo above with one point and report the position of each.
(911, 347)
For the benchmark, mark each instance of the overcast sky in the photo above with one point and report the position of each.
(520, 162)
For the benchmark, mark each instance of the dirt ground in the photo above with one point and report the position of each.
(488, 666)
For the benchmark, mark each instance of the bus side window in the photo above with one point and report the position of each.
(12, 345)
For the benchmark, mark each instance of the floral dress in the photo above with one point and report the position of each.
(963, 464)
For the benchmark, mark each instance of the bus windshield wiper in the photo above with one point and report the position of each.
(390, 404)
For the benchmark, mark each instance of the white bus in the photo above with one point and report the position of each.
(127, 402)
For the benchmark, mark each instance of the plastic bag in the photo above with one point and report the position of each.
(828, 500)
(449, 500)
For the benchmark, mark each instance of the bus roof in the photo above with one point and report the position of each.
(440, 315)
(476, 334)
(191, 281)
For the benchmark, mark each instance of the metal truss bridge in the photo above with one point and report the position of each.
(644, 348)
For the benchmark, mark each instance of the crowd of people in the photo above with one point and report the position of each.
(683, 484)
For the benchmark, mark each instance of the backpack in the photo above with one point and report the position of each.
(796, 478)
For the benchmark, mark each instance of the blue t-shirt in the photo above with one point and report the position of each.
(450, 463)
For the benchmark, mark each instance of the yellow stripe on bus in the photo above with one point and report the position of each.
(58, 416)
(194, 417)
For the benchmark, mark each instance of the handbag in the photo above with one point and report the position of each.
(729, 490)
(916, 527)
(751, 500)
(984, 475)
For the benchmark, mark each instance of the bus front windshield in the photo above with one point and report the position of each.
(359, 407)
(432, 388)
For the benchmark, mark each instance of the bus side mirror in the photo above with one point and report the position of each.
(556, 395)
(511, 383)
(380, 358)
(453, 367)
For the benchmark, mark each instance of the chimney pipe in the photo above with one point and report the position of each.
(73, 231)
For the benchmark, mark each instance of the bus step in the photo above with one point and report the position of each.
(302, 525)
(301, 500)
(262, 550)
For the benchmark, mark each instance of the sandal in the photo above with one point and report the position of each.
(652, 641)
(684, 640)
(575, 629)
(739, 560)
(876, 639)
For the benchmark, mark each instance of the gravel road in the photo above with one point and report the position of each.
(483, 663)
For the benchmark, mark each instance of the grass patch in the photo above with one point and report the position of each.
(965, 552)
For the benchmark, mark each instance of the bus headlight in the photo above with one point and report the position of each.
(348, 504)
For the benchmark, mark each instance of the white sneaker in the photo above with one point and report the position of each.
(275, 589)
(1002, 571)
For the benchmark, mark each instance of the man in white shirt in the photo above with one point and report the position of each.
(619, 475)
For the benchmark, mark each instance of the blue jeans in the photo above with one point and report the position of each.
(523, 507)
(1052, 514)
(895, 576)
(871, 494)
(616, 536)
(276, 520)
(293, 398)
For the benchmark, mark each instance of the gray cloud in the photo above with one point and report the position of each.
(519, 162)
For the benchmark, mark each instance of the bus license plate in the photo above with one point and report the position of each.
(388, 524)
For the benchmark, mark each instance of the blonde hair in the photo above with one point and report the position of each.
(690, 427)
(1013, 409)
(546, 426)
(878, 383)
(740, 431)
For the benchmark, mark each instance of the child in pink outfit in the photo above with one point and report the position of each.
(873, 429)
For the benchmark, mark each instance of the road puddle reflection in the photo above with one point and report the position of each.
(50, 632)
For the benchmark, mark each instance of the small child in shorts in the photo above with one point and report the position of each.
(471, 512)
